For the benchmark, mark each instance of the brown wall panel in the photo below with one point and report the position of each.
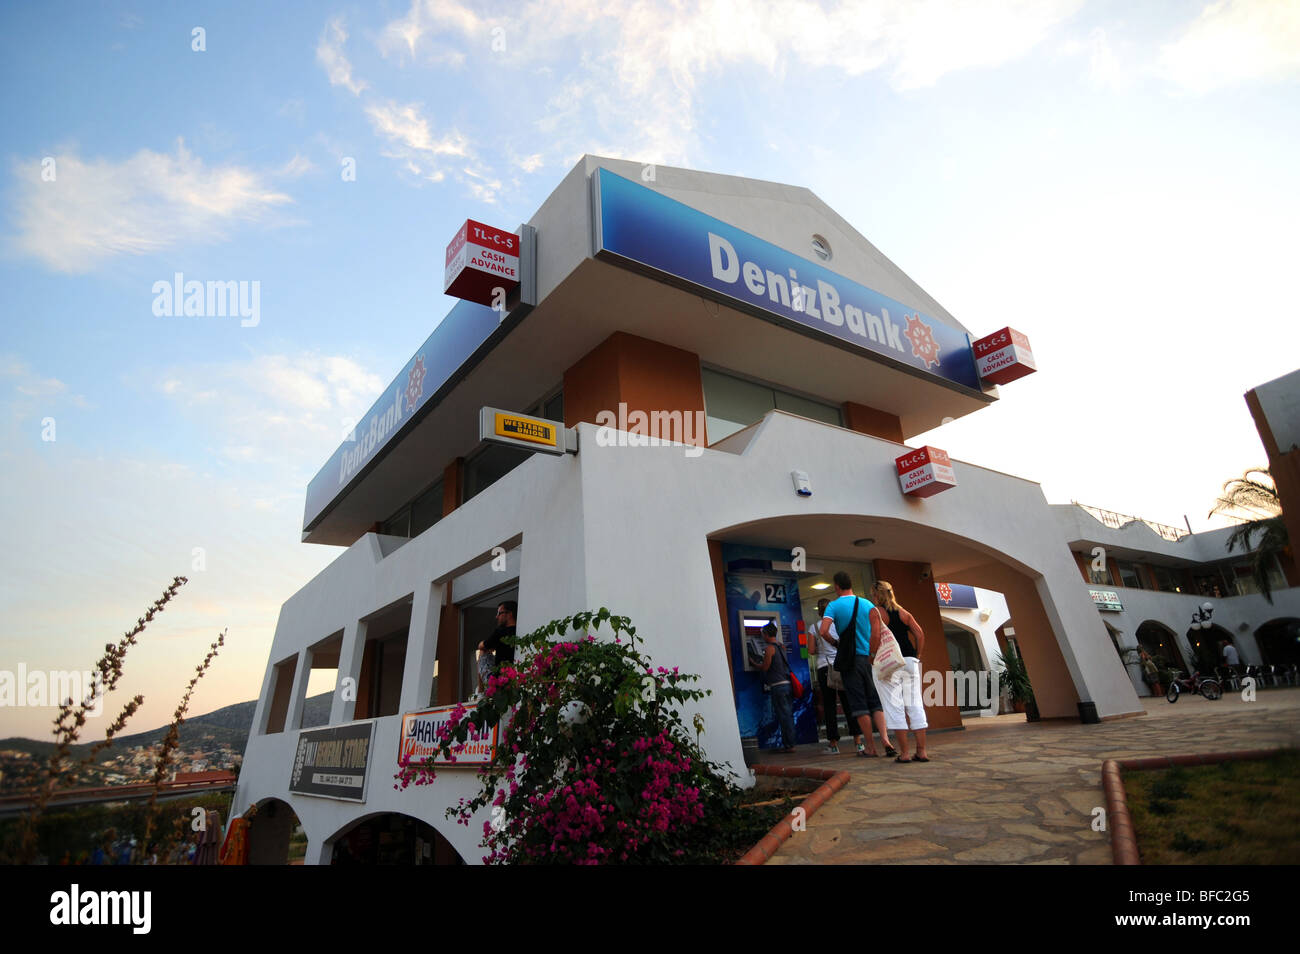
(918, 597)
(645, 375)
(1053, 688)
(868, 420)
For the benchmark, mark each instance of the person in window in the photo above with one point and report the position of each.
(498, 651)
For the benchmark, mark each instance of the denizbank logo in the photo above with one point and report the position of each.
(647, 231)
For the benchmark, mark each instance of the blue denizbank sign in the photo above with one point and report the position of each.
(428, 375)
(640, 227)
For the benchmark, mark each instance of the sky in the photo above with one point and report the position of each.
(1116, 180)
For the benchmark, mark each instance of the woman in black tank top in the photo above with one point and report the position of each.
(911, 641)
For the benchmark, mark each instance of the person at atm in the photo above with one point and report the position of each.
(861, 627)
(776, 682)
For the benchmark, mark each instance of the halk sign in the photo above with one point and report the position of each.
(482, 264)
(420, 737)
(1003, 356)
(925, 472)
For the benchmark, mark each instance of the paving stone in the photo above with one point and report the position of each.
(1002, 850)
(898, 818)
(1085, 800)
(880, 834)
(895, 849)
(1038, 834)
(980, 832)
(1009, 792)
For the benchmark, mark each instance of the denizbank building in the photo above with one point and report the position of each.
(684, 396)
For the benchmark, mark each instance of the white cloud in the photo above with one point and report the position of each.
(329, 53)
(632, 68)
(297, 166)
(1235, 41)
(530, 163)
(421, 152)
(94, 210)
(274, 407)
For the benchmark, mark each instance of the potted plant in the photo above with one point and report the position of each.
(1014, 675)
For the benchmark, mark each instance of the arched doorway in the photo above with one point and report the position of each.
(1161, 644)
(1279, 641)
(971, 670)
(392, 838)
(1205, 645)
(275, 835)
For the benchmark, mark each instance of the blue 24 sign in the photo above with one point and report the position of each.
(773, 592)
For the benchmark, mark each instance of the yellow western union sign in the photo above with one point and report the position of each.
(531, 429)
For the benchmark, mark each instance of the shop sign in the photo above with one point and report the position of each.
(332, 762)
(482, 264)
(524, 432)
(648, 232)
(956, 596)
(925, 472)
(1003, 356)
(419, 738)
(1107, 600)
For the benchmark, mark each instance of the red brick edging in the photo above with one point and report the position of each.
(832, 782)
(1123, 842)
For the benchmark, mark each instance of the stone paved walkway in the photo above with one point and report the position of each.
(1003, 791)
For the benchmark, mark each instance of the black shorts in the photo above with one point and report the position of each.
(861, 688)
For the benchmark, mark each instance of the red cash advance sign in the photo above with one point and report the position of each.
(1003, 356)
(481, 259)
(925, 472)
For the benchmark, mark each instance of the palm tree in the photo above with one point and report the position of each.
(1255, 493)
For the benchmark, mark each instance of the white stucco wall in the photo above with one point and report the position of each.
(983, 628)
(627, 528)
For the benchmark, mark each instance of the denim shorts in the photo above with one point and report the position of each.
(861, 688)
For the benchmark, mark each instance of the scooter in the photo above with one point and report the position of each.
(1194, 683)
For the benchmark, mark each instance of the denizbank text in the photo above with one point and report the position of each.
(822, 302)
(642, 228)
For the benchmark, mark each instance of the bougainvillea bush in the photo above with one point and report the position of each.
(594, 765)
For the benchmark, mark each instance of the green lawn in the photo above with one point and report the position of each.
(1232, 813)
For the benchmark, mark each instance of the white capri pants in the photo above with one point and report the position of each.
(900, 697)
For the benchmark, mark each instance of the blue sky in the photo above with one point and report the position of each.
(1115, 180)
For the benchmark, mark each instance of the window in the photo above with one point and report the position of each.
(732, 404)
(1128, 575)
(1168, 580)
(493, 462)
(417, 516)
(1099, 577)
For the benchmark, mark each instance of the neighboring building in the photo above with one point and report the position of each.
(1150, 581)
(742, 316)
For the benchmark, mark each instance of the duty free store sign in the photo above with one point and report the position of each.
(925, 472)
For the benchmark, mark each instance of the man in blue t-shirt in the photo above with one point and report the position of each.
(858, 682)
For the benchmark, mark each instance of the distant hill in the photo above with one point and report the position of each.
(230, 725)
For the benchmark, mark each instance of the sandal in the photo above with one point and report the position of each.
(919, 758)
(903, 760)
(890, 750)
